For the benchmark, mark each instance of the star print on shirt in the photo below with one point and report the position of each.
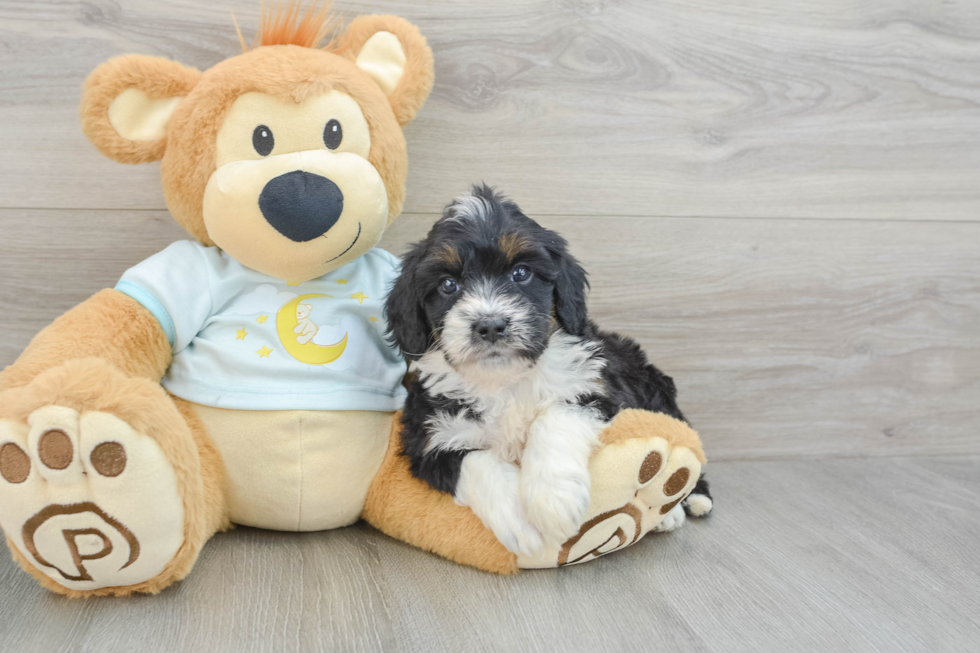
(264, 352)
(359, 296)
(241, 334)
(341, 281)
(261, 319)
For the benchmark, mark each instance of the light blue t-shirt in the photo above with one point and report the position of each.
(242, 339)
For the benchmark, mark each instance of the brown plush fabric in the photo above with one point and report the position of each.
(402, 506)
(416, 82)
(91, 384)
(214, 480)
(109, 325)
(289, 72)
(632, 423)
(109, 353)
(159, 78)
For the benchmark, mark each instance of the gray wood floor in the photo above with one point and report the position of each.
(778, 198)
(828, 555)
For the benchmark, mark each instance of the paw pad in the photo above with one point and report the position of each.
(651, 465)
(15, 465)
(55, 449)
(88, 500)
(109, 459)
(668, 507)
(677, 481)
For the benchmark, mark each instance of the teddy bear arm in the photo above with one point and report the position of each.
(109, 325)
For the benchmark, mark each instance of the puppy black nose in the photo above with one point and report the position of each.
(491, 329)
(300, 205)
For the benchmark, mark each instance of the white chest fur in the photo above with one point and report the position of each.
(510, 397)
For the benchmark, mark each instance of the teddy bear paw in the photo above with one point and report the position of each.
(637, 487)
(87, 500)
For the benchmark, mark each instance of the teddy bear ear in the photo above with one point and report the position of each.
(394, 54)
(128, 101)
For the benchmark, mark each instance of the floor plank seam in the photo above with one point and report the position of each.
(603, 216)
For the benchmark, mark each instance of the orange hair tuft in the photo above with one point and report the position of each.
(288, 23)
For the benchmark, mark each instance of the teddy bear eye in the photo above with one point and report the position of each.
(262, 140)
(333, 134)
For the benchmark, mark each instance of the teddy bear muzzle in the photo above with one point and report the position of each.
(301, 205)
(298, 215)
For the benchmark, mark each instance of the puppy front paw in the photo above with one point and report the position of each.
(673, 520)
(556, 501)
(512, 530)
(489, 486)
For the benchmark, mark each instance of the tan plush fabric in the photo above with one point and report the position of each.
(289, 72)
(109, 325)
(136, 116)
(91, 384)
(156, 77)
(416, 81)
(632, 423)
(383, 58)
(107, 355)
(295, 470)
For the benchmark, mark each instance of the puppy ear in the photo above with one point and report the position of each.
(394, 54)
(570, 286)
(128, 101)
(408, 327)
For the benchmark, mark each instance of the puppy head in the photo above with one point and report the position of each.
(486, 287)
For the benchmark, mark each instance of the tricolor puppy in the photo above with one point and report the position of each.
(514, 383)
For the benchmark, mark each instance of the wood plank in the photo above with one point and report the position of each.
(842, 109)
(833, 555)
(787, 338)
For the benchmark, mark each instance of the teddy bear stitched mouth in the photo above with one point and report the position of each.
(301, 205)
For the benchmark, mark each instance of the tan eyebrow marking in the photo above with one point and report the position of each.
(513, 244)
(449, 256)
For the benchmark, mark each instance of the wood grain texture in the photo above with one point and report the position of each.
(843, 108)
(834, 555)
(786, 338)
(681, 146)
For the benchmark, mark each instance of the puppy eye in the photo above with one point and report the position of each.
(521, 273)
(262, 140)
(448, 286)
(333, 134)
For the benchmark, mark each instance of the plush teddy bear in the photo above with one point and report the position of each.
(199, 392)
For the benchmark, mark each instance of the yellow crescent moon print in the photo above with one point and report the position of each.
(310, 353)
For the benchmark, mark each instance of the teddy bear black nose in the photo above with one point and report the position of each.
(300, 205)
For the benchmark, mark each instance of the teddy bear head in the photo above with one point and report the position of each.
(289, 157)
(303, 311)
